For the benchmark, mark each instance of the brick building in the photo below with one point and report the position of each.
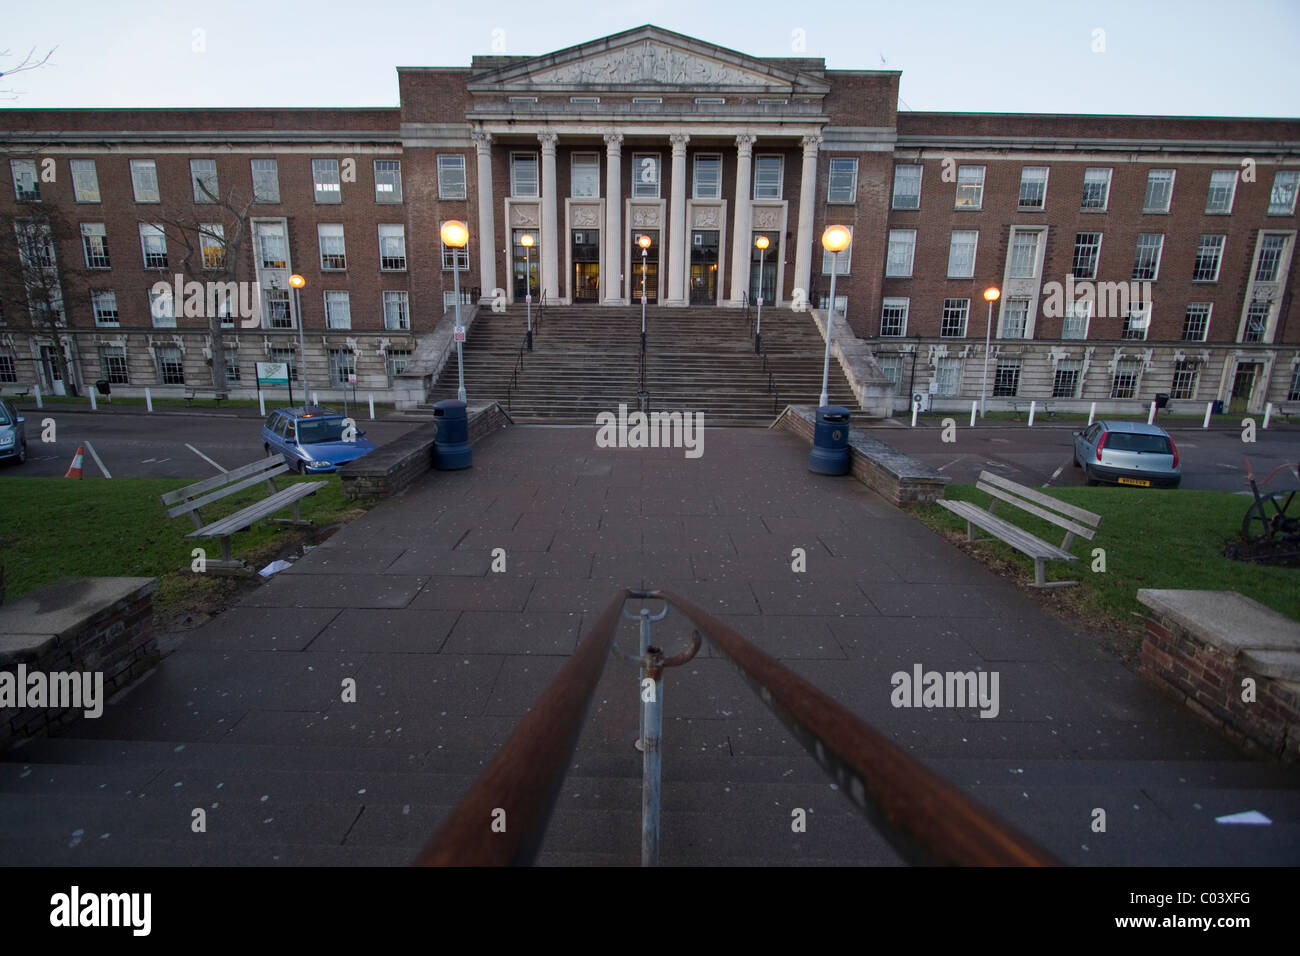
(1135, 255)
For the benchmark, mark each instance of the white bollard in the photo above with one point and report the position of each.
(148, 400)
(94, 406)
(1032, 406)
(36, 390)
(261, 404)
(973, 407)
(1151, 415)
(1092, 413)
(372, 406)
(1268, 413)
(315, 398)
(1209, 409)
(915, 408)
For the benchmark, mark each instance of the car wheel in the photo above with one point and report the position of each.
(1074, 459)
(22, 453)
(267, 448)
(300, 467)
(1088, 477)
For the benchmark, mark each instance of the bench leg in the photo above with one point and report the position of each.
(225, 548)
(1039, 571)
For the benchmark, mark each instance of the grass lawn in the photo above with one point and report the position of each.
(1152, 539)
(117, 528)
(273, 400)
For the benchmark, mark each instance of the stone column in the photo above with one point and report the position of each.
(611, 257)
(487, 238)
(677, 248)
(740, 239)
(550, 252)
(803, 252)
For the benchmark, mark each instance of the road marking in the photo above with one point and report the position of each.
(205, 458)
(95, 455)
(1056, 474)
(953, 462)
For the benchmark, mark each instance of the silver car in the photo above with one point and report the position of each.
(13, 438)
(1127, 453)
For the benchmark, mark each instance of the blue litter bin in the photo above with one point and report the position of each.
(451, 444)
(830, 451)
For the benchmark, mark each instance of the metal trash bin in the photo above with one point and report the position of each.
(104, 387)
(1162, 399)
(830, 451)
(451, 444)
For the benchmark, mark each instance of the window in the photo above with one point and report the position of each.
(584, 100)
(767, 177)
(1096, 189)
(1196, 324)
(710, 100)
(171, 370)
(397, 361)
(226, 309)
(1281, 201)
(279, 313)
(212, 241)
(708, 176)
(8, 371)
(961, 253)
(1065, 380)
(1146, 263)
(1087, 253)
(392, 248)
(338, 310)
(523, 175)
(1033, 188)
(584, 176)
(1257, 314)
(1136, 322)
(94, 240)
(343, 362)
(26, 186)
(270, 240)
(144, 180)
(232, 363)
(325, 180)
(1024, 255)
(266, 180)
(203, 177)
(893, 317)
(1270, 258)
(1015, 318)
(103, 302)
(1293, 395)
(388, 180)
(1125, 383)
(647, 100)
(287, 357)
(521, 99)
(85, 181)
(1223, 186)
(842, 184)
(1209, 255)
(907, 187)
(891, 366)
(1184, 384)
(1160, 190)
(955, 313)
(153, 242)
(1075, 323)
(970, 187)
(162, 309)
(842, 268)
(947, 373)
(645, 176)
(902, 247)
(451, 176)
(1006, 381)
(112, 365)
(461, 258)
(397, 316)
(333, 253)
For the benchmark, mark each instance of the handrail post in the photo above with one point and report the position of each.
(652, 719)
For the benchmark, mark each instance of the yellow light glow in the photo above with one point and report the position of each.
(761, 242)
(836, 239)
(992, 294)
(455, 233)
(527, 240)
(297, 281)
(644, 242)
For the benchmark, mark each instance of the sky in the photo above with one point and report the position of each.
(1191, 58)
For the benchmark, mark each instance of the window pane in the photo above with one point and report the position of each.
(843, 181)
(1160, 190)
(767, 177)
(203, 177)
(645, 176)
(907, 187)
(325, 180)
(451, 177)
(388, 179)
(1024, 255)
(85, 180)
(955, 313)
(961, 254)
(1282, 199)
(144, 179)
(1096, 189)
(893, 317)
(970, 187)
(902, 244)
(1033, 187)
(1223, 183)
(523, 175)
(708, 176)
(584, 180)
(266, 180)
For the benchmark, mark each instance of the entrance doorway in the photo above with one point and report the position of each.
(519, 278)
(766, 282)
(704, 267)
(586, 265)
(50, 363)
(651, 266)
(1243, 383)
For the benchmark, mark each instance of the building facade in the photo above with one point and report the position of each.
(1135, 255)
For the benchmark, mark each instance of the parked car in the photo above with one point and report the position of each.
(1127, 453)
(13, 436)
(312, 439)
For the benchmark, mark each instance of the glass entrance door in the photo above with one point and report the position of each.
(769, 260)
(519, 279)
(704, 267)
(651, 266)
(1243, 384)
(586, 265)
(50, 363)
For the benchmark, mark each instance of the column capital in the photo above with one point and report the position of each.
(482, 138)
(613, 141)
(548, 140)
(812, 143)
(745, 142)
(679, 141)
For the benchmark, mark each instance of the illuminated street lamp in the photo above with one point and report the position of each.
(644, 242)
(991, 295)
(834, 240)
(298, 282)
(456, 235)
(762, 244)
(527, 240)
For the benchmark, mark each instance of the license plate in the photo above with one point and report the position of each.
(1135, 481)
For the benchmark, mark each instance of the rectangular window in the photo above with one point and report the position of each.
(203, 177)
(1146, 263)
(1096, 189)
(397, 360)
(970, 187)
(842, 184)
(1270, 258)
(287, 357)
(1015, 318)
(842, 268)
(212, 242)
(893, 317)
(708, 176)
(103, 302)
(523, 175)
(647, 100)
(232, 363)
(451, 175)
(1033, 188)
(1184, 384)
(388, 180)
(902, 248)
(171, 370)
(961, 253)
(8, 370)
(1137, 321)
(270, 240)
(1281, 201)
(710, 100)
(112, 365)
(1125, 383)
(947, 373)
(1160, 190)
(1292, 395)
(584, 175)
(1196, 323)
(333, 252)
(338, 310)
(1223, 186)
(645, 175)
(144, 180)
(162, 309)
(1209, 256)
(955, 313)
(891, 366)
(1024, 255)
(343, 363)
(1065, 380)
(325, 180)
(94, 241)
(266, 180)
(767, 177)
(26, 186)
(392, 248)
(1256, 321)
(1006, 381)
(279, 311)
(453, 258)
(1075, 323)
(397, 315)
(85, 180)
(153, 242)
(1087, 253)
(907, 187)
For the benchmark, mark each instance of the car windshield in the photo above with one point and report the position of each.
(1133, 441)
(313, 431)
(4, 415)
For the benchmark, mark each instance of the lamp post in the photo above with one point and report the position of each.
(644, 242)
(762, 244)
(526, 240)
(456, 234)
(297, 282)
(834, 240)
(991, 295)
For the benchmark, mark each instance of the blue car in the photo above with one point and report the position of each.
(13, 438)
(312, 439)
(1127, 453)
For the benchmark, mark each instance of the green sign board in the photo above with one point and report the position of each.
(272, 373)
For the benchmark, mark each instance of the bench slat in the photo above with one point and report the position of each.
(272, 466)
(1033, 509)
(1018, 538)
(255, 512)
(224, 492)
(1034, 494)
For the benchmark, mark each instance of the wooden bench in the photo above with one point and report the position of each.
(1287, 411)
(24, 393)
(191, 498)
(1074, 520)
(192, 393)
(1039, 406)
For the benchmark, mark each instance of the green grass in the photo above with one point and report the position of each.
(1152, 539)
(100, 528)
(82, 402)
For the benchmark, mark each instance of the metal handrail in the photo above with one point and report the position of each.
(519, 358)
(925, 818)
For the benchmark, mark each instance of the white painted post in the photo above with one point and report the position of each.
(36, 390)
(315, 398)
(915, 408)
(148, 399)
(1151, 415)
(1268, 413)
(973, 407)
(1092, 413)
(372, 406)
(1209, 409)
(261, 403)
(1032, 406)
(94, 406)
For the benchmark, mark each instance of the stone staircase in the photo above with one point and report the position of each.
(586, 359)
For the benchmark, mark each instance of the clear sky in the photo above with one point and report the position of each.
(1186, 57)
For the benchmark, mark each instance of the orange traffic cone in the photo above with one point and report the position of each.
(74, 471)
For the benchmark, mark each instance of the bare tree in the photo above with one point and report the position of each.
(32, 61)
(30, 276)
